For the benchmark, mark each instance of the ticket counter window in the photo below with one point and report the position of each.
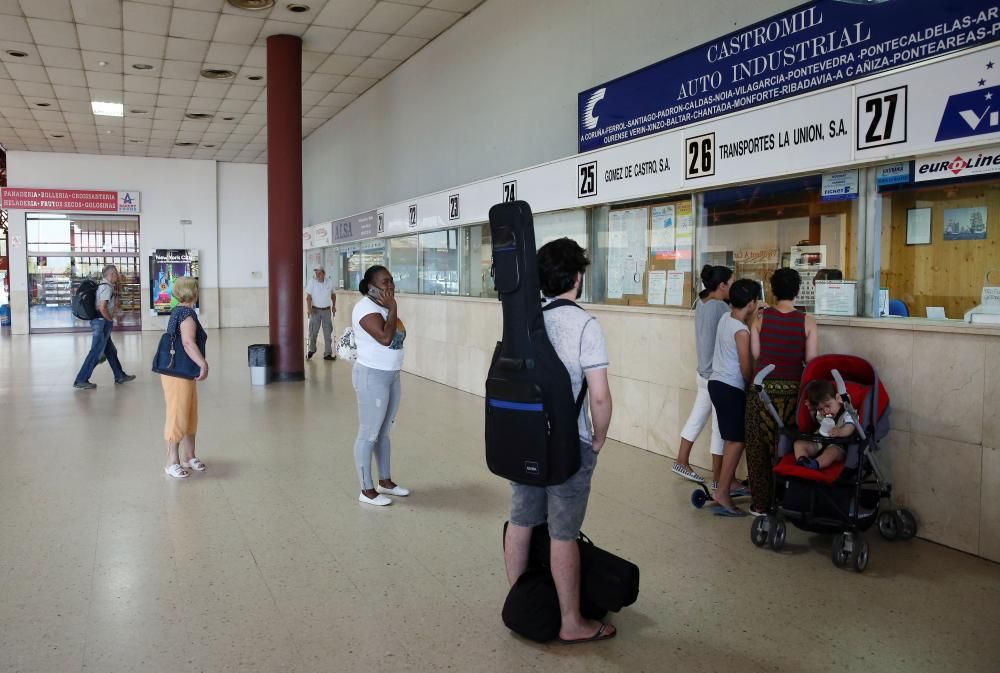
(938, 242)
(757, 229)
(63, 251)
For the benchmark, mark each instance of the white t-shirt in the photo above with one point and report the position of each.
(726, 360)
(579, 342)
(371, 353)
(320, 292)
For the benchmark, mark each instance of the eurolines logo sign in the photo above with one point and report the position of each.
(957, 165)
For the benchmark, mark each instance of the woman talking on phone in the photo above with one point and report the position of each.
(379, 335)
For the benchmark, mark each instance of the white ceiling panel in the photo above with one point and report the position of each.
(78, 51)
(387, 17)
(53, 33)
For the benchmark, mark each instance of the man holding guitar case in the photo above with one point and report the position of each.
(579, 342)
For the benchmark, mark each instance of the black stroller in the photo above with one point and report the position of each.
(844, 498)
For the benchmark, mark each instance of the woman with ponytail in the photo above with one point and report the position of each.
(709, 309)
(379, 335)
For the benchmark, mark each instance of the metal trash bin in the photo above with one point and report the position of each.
(259, 358)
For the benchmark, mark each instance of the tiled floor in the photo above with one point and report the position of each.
(268, 563)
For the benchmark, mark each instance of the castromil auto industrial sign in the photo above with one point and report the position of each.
(814, 46)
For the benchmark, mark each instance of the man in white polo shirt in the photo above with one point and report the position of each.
(321, 306)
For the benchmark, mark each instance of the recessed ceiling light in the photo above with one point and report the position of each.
(103, 64)
(108, 132)
(185, 144)
(58, 135)
(44, 104)
(134, 140)
(16, 53)
(298, 8)
(138, 112)
(217, 73)
(208, 145)
(198, 115)
(228, 119)
(142, 66)
(252, 4)
(255, 78)
(108, 109)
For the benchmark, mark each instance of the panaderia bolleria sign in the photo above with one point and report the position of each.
(70, 200)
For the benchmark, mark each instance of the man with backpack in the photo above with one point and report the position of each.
(579, 343)
(102, 310)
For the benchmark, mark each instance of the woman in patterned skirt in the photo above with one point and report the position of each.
(786, 338)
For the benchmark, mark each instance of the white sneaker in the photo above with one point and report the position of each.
(398, 490)
(379, 500)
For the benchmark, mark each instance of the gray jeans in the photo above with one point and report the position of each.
(378, 400)
(321, 316)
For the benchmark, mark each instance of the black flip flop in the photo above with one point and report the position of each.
(600, 635)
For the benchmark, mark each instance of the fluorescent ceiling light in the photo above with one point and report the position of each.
(108, 109)
(46, 216)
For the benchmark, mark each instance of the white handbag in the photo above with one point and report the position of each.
(346, 348)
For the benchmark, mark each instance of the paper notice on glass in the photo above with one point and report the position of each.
(675, 288)
(836, 298)
(616, 276)
(657, 288)
(634, 272)
(685, 237)
(664, 239)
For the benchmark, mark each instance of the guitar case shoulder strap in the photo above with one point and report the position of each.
(556, 303)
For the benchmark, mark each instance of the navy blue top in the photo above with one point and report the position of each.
(179, 315)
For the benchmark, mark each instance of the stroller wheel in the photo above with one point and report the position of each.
(906, 523)
(839, 553)
(699, 498)
(758, 532)
(778, 531)
(889, 525)
(859, 557)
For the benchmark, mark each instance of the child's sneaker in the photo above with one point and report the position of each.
(687, 473)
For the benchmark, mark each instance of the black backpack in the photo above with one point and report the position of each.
(532, 435)
(84, 302)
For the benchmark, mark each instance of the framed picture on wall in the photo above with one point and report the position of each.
(964, 224)
(918, 226)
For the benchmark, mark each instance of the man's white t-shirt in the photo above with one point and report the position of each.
(320, 292)
(371, 353)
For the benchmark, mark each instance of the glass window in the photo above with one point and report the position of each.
(403, 262)
(439, 262)
(477, 261)
(756, 229)
(644, 252)
(63, 250)
(938, 242)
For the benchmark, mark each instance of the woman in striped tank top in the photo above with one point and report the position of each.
(786, 338)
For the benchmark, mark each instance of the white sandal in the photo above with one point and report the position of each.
(194, 464)
(176, 471)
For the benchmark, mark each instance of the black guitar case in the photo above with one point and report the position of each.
(531, 415)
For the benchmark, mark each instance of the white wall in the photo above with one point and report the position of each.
(242, 244)
(172, 190)
(496, 92)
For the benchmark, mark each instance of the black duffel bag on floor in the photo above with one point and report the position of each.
(607, 582)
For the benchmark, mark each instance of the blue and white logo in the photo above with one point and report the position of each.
(971, 113)
(589, 120)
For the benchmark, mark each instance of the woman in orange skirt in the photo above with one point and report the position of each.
(181, 395)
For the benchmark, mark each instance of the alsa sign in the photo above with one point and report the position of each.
(69, 200)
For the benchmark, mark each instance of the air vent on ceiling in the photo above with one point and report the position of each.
(298, 8)
(252, 4)
(215, 73)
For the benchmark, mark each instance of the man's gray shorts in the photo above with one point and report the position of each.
(562, 506)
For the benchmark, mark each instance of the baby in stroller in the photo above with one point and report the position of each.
(834, 421)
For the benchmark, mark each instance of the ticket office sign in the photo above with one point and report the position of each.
(70, 200)
(815, 46)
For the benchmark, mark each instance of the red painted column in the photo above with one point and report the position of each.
(284, 205)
